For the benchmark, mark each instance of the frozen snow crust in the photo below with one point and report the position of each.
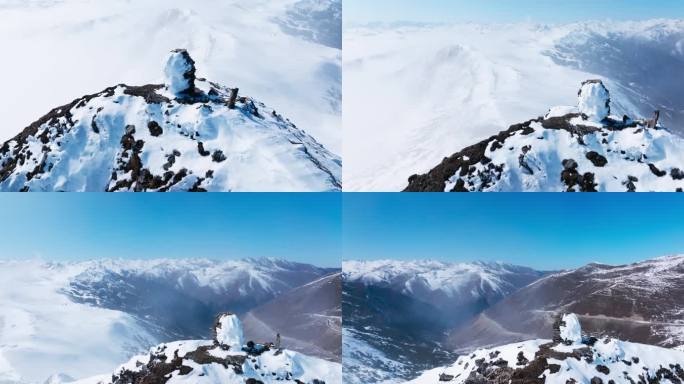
(569, 358)
(221, 361)
(573, 149)
(181, 136)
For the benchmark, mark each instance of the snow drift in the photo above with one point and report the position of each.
(189, 134)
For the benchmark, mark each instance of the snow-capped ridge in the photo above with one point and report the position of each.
(225, 359)
(187, 135)
(571, 357)
(581, 148)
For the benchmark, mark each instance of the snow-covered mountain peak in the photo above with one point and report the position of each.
(571, 357)
(580, 148)
(225, 359)
(187, 135)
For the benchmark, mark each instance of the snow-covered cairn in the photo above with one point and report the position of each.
(567, 329)
(594, 100)
(179, 73)
(228, 331)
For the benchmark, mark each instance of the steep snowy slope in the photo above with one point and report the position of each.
(308, 318)
(186, 135)
(63, 49)
(414, 95)
(640, 302)
(226, 359)
(571, 357)
(396, 315)
(85, 318)
(580, 148)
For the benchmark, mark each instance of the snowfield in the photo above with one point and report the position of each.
(415, 94)
(283, 52)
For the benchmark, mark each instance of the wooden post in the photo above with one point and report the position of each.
(656, 118)
(233, 98)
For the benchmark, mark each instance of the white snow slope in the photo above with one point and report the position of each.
(57, 50)
(44, 333)
(413, 95)
(569, 361)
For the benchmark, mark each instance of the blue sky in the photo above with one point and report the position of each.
(495, 11)
(543, 231)
(298, 227)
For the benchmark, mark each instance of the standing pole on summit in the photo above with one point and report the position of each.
(233, 98)
(277, 343)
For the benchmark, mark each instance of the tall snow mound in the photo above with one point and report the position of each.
(181, 136)
(210, 362)
(570, 329)
(593, 360)
(570, 149)
(229, 331)
(594, 100)
(179, 72)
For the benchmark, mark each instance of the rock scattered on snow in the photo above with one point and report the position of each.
(158, 138)
(211, 362)
(588, 360)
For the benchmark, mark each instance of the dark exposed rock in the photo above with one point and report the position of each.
(155, 129)
(656, 171)
(603, 369)
(218, 156)
(597, 159)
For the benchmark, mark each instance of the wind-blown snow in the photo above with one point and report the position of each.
(61, 50)
(413, 95)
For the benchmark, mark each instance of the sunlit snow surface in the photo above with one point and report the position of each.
(415, 94)
(58, 50)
